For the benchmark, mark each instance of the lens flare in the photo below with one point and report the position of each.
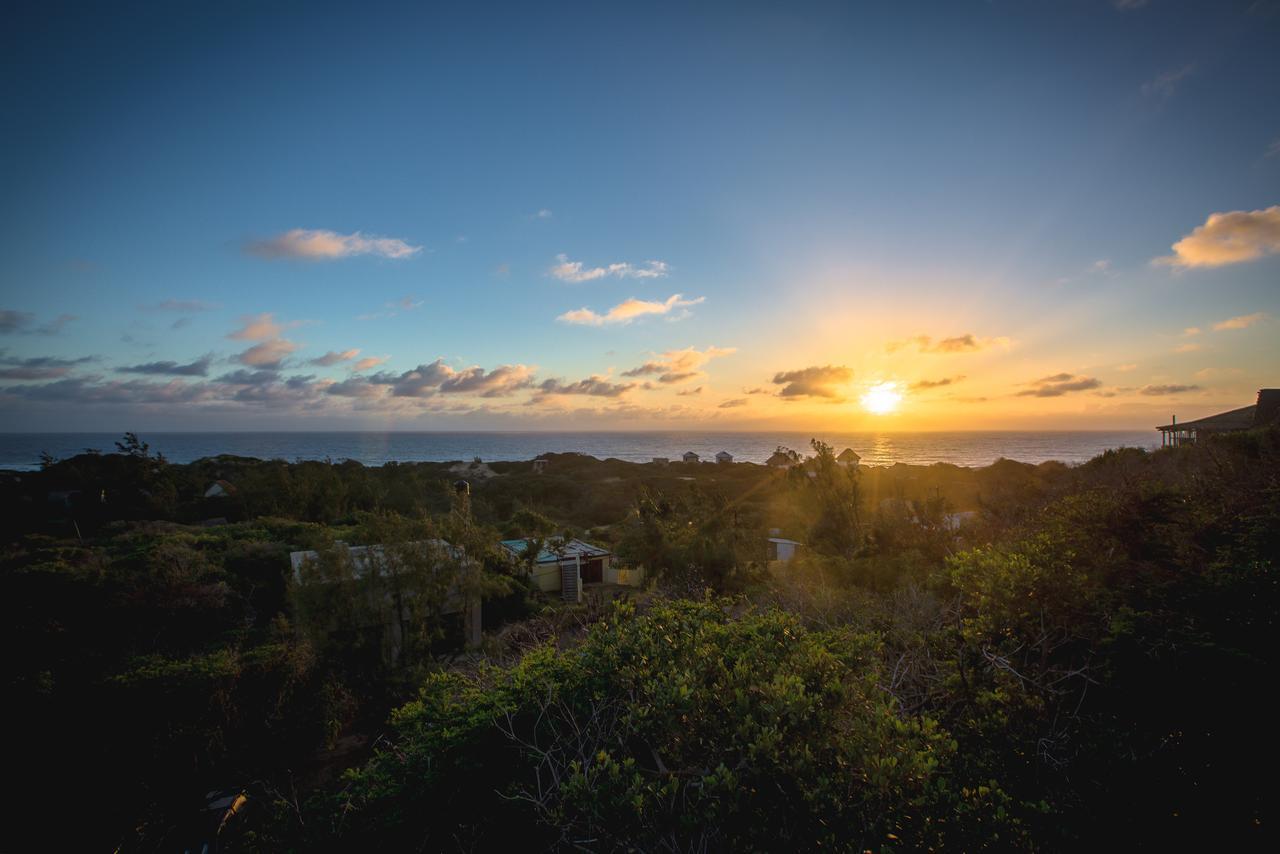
(882, 398)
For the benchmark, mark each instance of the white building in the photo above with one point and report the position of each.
(724, 457)
(781, 549)
(690, 457)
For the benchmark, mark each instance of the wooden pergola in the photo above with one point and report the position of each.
(1189, 432)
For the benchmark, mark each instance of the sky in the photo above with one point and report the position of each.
(972, 214)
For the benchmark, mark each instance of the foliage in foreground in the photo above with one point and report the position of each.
(685, 728)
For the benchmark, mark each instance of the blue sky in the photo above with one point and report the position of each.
(783, 190)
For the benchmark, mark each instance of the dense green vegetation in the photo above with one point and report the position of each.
(1086, 662)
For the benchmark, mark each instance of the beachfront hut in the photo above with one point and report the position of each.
(724, 457)
(1265, 411)
(782, 549)
(690, 457)
(782, 459)
(564, 566)
(540, 465)
(849, 458)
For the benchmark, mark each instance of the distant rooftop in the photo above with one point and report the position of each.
(555, 549)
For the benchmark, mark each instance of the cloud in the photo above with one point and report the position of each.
(439, 378)
(1058, 385)
(676, 366)
(627, 311)
(53, 327)
(574, 271)
(197, 368)
(967, 343)
(257, 327)
(324, 245)
(1126, 368)
(731, 404)
(1157, 390)
(1242, 322)
(689, 392)
(1273, 150)
(544, 213)
(394, 308)
(1164, 85)
(1192, 330)
(922, 385)
(15, 321)
(1228, 238)
(813, 381)
(595, 386)
(333, 357)
(37, 367)
(1189, 347)
(268, 354)
(369, 362)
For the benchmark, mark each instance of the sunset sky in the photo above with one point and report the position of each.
(1011, 214)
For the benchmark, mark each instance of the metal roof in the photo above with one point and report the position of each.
(1236, 419)
(555, 549)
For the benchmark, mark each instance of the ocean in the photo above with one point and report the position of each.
(22, 450)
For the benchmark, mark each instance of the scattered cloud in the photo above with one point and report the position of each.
(1164, 85)
(1192, 330)
(967, 343)
(1158, 390)
(731, 404)
(815, 381)
(1058, 385)
(393, 308)
(269, 354)
(596, 386)
(544, 213)
(1126, 368)
(922, 385)
(575, 271)
(369, 362)
(1189, 347)
(15, 321)
(333, 357)
(324, 245)
(1228, 238)
(676, 366)
(257, 327)
(439, 378)
(690, 392)
(37, 367)
(197, 368)
(756, 390)
(1242, 322)
(1273, 150)
(627, 311)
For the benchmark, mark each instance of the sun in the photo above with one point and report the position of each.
(882, 398)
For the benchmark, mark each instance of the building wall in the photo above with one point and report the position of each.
(546, 577)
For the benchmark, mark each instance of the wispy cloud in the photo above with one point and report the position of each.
(393, 308)
(272, 350)
(24, 322)
(1244, 321)
(967, 343)
(576, 271)
(37, 367)
(816, 381)
(733, 403)
(1189, 347)
(1192, 330)
(324, 245)
(439, 378)
(1058, 385)
(334, 357)
(1228, 238)
(369, 362)
(627, 311)
(1273, 150)
(197, 368)
(543, 213)
(1164, 85)
(1160, 390)
(922, 385)
(676, 366)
